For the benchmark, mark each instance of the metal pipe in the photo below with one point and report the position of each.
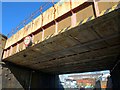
(30, 80)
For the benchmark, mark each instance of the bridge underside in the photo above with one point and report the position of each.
(94, 45)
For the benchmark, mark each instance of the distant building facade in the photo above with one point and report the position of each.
(86, 81)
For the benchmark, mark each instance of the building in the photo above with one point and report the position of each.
(2, 44)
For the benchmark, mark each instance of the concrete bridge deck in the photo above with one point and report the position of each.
(74, 43)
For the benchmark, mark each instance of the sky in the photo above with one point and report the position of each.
(13, 13)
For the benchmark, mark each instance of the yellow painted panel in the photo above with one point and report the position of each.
(105, 5)
(14, 37)
(37, 23)
(85, 13)
(49, 31)
(18, 35)
(21, 45)
(62, 8)
(21, 34)
(11, 41)
(14, 49)
(27, 30)
(76, 3)
(48, 16)
(38, 37)
(64, 23)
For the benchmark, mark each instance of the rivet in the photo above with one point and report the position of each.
(24, 55)
(10, 72)
(9, 78)
(6, 75)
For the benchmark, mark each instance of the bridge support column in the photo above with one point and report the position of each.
(14, 76)
(11, 50)
(96, 8)
(115, 75)
(42, 34)
(56, 27)
(17, 49)
(73, 19)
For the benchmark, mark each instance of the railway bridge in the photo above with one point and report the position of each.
(69, 37)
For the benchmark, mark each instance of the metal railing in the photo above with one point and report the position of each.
(29, 19)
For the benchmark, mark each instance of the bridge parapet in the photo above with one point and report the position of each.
(54, 21)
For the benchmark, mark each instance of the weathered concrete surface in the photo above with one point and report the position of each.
(91, 46)
(16, 77)
(2, 45)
